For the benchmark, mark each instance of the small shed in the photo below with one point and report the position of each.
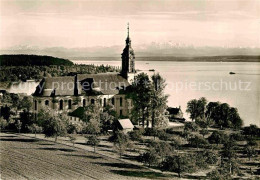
(125, 125)
(175, 114)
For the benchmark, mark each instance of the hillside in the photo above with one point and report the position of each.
(32, 60)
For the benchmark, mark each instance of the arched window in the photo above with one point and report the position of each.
(69, 104)
(113, 101)
(121, 101)
(92, 101)
(105, 102)
(84, 102)
(61, 104)
(35, 105)
(47, 103)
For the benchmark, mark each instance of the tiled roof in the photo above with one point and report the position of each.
(103, 83)
(173, 111)
(126, 123)
(106, 83)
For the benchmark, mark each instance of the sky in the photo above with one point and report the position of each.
(88, 23)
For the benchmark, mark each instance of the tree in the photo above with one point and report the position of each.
(18, 125)
(5, 112)
(25, 103)
(72, 138)
(223, 115)
(197, 142)
(92, 119)
(211, 157)
(107, 118)
(229, 155)
(93, 141)
(217, 137)
(190, 126)
(218, 175)
(135, 135)
(121, 142)
(34, 128)
(175, 143)
(54, 124)
(196, 108)
(249, 151)
(234, 118)
(250, 148)
(141, 97)
(3, 123)
(26, 119)
(251, 130)
(149, 158)
(204, 132)
(158, 101)
(179, 164)
(162, 148)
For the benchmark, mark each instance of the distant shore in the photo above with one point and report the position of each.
(178, 59)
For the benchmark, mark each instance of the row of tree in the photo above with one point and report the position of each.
(150, 102)
(220, 114)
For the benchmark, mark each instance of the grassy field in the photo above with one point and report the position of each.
(28, 158)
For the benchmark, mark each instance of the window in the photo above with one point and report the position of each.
(121, 112)
(92, 101)
(113, 101)
(105, 102)
(35, 105)
(47, 103)
(84, 102)
(61, 104)
(69, 104)
(121, 101)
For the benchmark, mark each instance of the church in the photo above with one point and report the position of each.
(67, 93)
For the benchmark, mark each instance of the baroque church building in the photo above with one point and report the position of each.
(68, 93)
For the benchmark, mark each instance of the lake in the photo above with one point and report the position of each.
(192, 80)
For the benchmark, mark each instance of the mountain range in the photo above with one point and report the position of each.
(145, 50)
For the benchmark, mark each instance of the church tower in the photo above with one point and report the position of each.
(128, 57)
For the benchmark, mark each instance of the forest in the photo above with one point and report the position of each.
(15, 68)
(32, 60)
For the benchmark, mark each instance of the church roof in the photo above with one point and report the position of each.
(103, 83)
(173, 111)
(106, 83)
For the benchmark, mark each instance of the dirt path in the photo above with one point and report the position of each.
(28, 158)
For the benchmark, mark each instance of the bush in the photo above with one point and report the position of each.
(175, 142)
(237, 136)
(163, 149)
(150, 132)
(162, 135)
(179, 164)
(34, 128)
(149, 158)
(135, 135)
(251, 130)
(3, 123)
(217, 137)
(198, 142)
(121, 142)
(191, 126)
(93, 141)
(72, 129)
(208, 156)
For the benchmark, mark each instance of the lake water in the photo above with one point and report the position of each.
(189, 80)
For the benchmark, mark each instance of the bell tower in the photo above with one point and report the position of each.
(128, 57)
